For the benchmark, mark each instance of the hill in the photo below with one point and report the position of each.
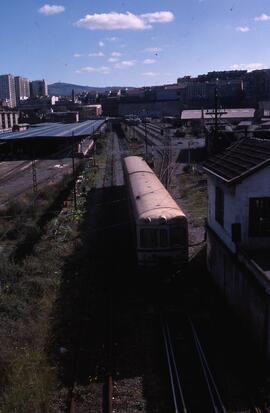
(65, 89)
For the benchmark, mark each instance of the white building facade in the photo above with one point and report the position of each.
(238, 236)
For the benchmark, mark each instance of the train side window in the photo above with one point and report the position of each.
(176, 236)
(148, 238)
(163, 238)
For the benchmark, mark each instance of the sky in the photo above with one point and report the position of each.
(132, 42)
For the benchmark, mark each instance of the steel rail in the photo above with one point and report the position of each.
(26, 165)
(176, 370)
(207, 373)
(176, 387)
(170, 371)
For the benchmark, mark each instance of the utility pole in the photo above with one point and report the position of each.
(169, 157)
(202, 122)
(216, 120)
(74, 172)
(216, 114)
(189, 158)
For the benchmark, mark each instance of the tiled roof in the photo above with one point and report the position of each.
(239, 160)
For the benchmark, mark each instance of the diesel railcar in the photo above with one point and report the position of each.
(160, 225)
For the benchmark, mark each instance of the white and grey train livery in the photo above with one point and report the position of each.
(160, 225)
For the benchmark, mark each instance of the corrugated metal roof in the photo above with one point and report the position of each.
(55, 130)
(239, 160)
(230, 114)
(245, 123)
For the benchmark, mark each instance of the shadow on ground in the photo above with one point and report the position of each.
(104, 318)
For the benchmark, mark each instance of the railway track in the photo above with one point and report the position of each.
(192, 383)
(22, 169)
(14, 172)
(83, 346)
(124, 141)
(154, 139)
(113, 175)
(109, 170)
(164, 167)
(154, 128)
(23, 166)
(261, 410)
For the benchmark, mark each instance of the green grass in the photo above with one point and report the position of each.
(194, 193)
(28, 292)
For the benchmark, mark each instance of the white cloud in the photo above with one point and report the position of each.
(248, 66)
(152, 49)
(48, 9)
(113, 59)
(90, 69)
(151, 74)
(158, 17)
(94, 54)
(242, 29)
(120, 21)
(262, 18)
(112, 21)
(124, 64)
(116, 54)
(97, 54)
(101, 44)
(112, 39)
(149, 61)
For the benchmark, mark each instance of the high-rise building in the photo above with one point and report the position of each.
(38, 88)
(7, 90)
(22, 88)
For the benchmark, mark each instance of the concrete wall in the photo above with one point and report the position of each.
(244, 294)
(156, 108)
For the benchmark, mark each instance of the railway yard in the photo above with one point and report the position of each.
(107, 338)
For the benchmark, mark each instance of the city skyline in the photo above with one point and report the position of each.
(132, 44)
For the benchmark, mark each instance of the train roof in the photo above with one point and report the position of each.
(136, 164)
(150, 199)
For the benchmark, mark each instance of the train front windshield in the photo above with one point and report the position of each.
(151, 238)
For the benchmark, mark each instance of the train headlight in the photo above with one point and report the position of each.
(163, 219)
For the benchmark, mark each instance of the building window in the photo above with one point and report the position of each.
(259, 217)
(219, 206)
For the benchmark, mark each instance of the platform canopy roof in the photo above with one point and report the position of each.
(55, 130)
